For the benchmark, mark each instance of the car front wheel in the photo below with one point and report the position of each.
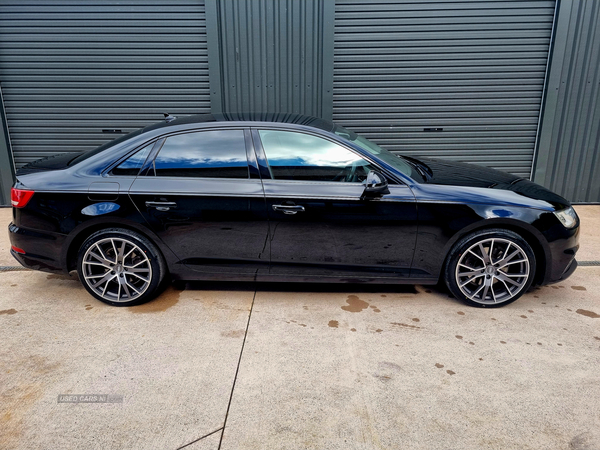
(120, 267)
(490, 268)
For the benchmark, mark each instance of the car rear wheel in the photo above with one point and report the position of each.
(120, 267)
(490, 268)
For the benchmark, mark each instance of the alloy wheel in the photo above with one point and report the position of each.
(492, 271)
(116, 269)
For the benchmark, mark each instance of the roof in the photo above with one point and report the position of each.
(289, 118)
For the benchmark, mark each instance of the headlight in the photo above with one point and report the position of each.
(568, 217)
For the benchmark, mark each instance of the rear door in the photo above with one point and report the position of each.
(205, 200)
(320, 225)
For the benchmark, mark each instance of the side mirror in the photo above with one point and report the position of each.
(375, 186)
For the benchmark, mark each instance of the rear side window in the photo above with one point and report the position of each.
(204, 154)
(132, 165)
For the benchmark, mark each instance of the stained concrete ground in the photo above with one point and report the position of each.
(246, 366)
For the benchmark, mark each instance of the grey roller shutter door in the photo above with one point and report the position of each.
(474, 69)
(70, 69)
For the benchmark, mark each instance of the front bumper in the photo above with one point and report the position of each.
(567, 273)
(562, 263)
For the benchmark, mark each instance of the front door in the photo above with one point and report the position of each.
(320, 225)
(199, 198)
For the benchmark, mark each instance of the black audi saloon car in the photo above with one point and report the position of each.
(284, 197)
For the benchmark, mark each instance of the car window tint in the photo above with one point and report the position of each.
(205, 154)
(132, 165)
(299, 156)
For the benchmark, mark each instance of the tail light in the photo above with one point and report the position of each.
(20, 197)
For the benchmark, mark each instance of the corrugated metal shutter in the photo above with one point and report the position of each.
(71, 68)
(472, 68)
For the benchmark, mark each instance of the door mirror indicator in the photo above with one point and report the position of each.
(375, 185)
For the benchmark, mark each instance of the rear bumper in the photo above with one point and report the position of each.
(42, 250)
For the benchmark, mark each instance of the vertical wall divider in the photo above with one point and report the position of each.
(213, 41)
(7, 165)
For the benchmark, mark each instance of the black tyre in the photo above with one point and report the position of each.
(120, 267)
(490, 268)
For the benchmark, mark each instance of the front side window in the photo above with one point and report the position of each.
(299, 156)
(203, 154)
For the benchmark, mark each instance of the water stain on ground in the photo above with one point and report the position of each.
(233, 333)
(405, 325)
(333, 323)
(585, 441)
(383, 378)
(585, 312)
(355, 304)
(20, 395)
(167, 299)
(8, 311)
(578, 288)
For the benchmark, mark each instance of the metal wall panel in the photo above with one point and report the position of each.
(70, 69)
(267, 56)
(568, 157)
(474, 69)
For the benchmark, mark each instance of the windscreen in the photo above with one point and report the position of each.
(371, 147)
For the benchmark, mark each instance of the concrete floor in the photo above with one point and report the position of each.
(301, 366)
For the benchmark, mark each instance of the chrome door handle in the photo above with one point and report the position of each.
(161, 206)
(289, 209)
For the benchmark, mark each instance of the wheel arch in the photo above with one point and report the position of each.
(78, 236)
(530, 234)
